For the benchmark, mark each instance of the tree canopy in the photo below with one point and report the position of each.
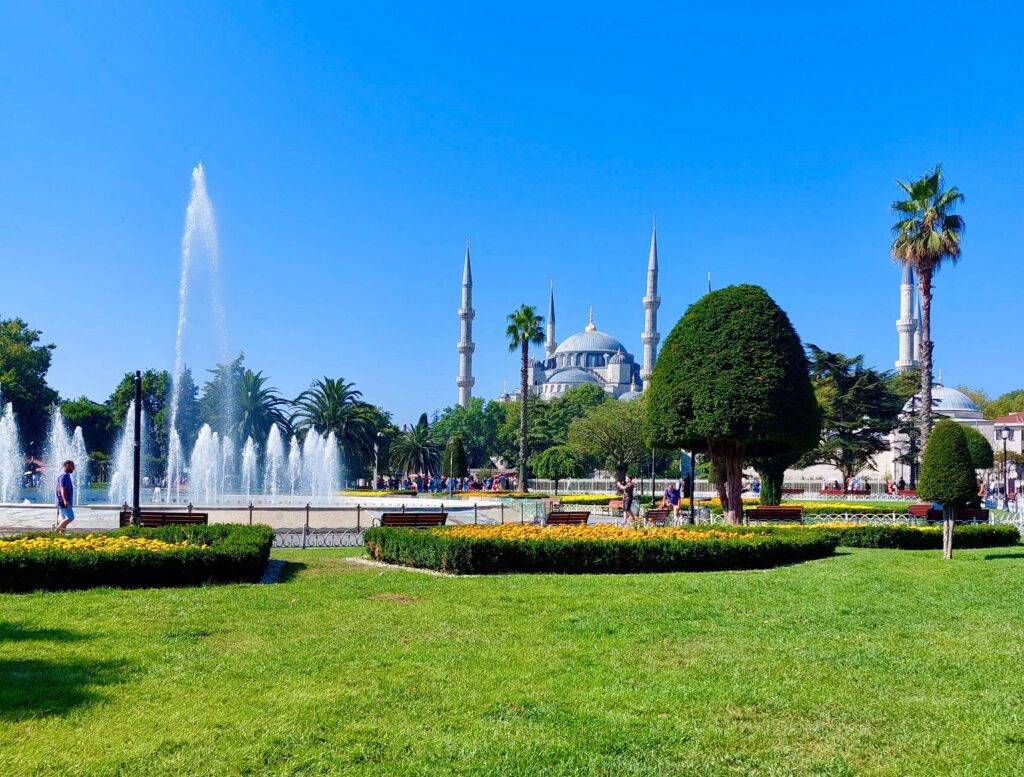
(982, 455)
(947, 474)
(24, 363)
(732, 380)
(557, 463)
(453, 460)
(613, 431)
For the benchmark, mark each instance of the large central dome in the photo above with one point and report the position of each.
(590, 341)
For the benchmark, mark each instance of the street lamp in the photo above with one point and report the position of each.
(376, 443)
(1005, 434)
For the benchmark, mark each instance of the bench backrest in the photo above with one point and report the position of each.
(658, 515)
(154, 518)
(413, 520)
(963, 515)
(614, 504)
(567, 518)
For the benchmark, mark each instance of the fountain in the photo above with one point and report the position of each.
(274, 463)
(249, 464)
(294, 466)
(61, 446)
(124, 459)
(11, 458)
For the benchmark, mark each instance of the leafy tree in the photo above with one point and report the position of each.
(453, 461)
(732, 380)
(476, 425)
(524, 329)
(331, 405)
(557, 463)
(96, 422)
(23, 367)
(217, 405)
(258, 407)
(947, 475)
(1010, 402)
(859, 408)
(415, 450)
(979, 397)
(156, 396)
(613, 431)
(557, 415)
(982, 455)
(772, 470)
(927, 235)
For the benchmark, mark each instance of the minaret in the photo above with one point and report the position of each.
(466, 347)
(550, 344)
(906, 325)
(917, 330)
(652, 302)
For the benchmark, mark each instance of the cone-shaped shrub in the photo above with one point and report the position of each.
(947, 472)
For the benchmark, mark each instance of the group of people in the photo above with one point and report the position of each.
(672, 496)
(439, 484)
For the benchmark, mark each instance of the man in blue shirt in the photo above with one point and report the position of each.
(65, 498)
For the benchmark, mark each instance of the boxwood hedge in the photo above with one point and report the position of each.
(235, 553)
(438, 549)
(922, 537)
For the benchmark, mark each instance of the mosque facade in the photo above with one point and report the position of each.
(587, 357)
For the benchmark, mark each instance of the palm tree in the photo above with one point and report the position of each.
(258, 407)
(331, 405)
(926, 235)
(415, 450)
(524, 329)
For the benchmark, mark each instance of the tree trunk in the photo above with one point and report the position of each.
(925, 288)
(728, 458)
(947, 531)
(524, 389)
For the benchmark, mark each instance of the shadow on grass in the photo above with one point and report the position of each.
(14, 632)
(1015, 554)
(34, 687)
(280, 571)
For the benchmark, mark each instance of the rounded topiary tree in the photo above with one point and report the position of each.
(453, 462)
(947, 475)
(732, 380)
(557, 463)
(982, 455)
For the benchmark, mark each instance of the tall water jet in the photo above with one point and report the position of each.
(249, 465)
(331, 466)
(124, 459)
(274, 463)
(175, 466)
(312, 456)
(200, 233)
(294, 466)
(11, 458)
(62, 445)
(228, 469)
(205, 467)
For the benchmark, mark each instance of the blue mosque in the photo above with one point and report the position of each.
(588, 357)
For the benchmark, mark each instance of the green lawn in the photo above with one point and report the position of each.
(871, 662)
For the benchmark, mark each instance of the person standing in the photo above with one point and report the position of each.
(626, 488)
(671, 499)
(65, 498)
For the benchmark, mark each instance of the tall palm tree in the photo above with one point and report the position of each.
(415, 450)
(258, 407)
(524, 329)
(332, 405)
(926, 235)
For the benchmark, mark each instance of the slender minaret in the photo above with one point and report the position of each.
(550, 344)
(917, 330)
(906, 325)
(652, 302)
(466, 347)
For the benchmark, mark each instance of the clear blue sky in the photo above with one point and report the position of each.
(349, 153)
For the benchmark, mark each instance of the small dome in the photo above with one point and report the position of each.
(949, 402)
(630, 395)
(573, 376)
(618, 358)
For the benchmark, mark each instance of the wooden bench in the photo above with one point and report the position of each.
(963, 515)
(411, 520)
(775, 513)
(614, 507)
(792, 491)
(567, 518)
(658, 516)
(907, 493)
(152, 519)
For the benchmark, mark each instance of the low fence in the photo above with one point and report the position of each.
(799, 488)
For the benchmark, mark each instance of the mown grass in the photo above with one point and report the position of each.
(870, 662)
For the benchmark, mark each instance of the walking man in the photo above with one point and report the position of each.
(65, 498)
(626, 488)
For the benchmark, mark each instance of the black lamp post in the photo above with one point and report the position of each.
(1005, 434)
(137, 449)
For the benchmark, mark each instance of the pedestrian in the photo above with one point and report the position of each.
(671, 499)
(626, 488)
(65, 498)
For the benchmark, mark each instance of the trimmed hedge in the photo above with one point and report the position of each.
(437, 549)
(924, 537)
(235, 554)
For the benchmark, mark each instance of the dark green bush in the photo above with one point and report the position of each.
(236, 553)
(483, 556)
(923, 538)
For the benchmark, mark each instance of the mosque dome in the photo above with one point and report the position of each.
(590, 342)
(631, 394)
(948, 402)
(573, 376)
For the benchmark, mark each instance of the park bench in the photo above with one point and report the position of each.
(658, 516)
(411, 520)
(614, 507)
(845, 492)
(907, 493)
(963, 515)
(549, 504)
(567, 518)
(152, 519)
(792, 491)
(775, 513)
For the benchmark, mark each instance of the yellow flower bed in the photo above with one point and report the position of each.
(515, 531)
(94, 543)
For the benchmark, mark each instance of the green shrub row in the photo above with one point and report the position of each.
(485, 556)
(235, 553)
(923, 538)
